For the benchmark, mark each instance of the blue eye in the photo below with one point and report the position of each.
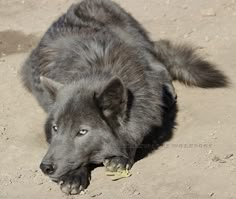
(55, 128)
(82, 131)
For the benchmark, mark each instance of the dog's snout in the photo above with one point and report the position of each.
(47, 168)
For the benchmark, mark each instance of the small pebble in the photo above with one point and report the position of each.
(222, 161)
(215, 159)
(18, 47)
(136, 193)
(207, 39)
(34, 175)
(185, 7)
(228, 156)
(186, 35)
(130, 190)
(212, 194)
(210, 152)
(95, 195)
(208, 12)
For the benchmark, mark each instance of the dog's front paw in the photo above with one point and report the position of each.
(117, 167)
(75, 181)
(114, 164)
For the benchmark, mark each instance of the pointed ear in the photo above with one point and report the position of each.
(50, 86)
(113, 98)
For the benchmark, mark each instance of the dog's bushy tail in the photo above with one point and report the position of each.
(187, 66)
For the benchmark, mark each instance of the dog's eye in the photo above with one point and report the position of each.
(82, 131)
(55, 128)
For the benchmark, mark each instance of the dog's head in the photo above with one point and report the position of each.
(82, 124)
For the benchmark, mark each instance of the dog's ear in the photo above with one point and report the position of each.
(50, 86)
(113, 98)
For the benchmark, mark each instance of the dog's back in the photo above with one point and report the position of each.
(97, 40)
(95, 37)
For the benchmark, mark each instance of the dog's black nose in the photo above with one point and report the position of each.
(47, 168)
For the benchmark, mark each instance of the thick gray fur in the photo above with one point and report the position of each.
(96, 69)
(186, 65)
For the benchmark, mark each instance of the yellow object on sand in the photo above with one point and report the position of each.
(117, 175)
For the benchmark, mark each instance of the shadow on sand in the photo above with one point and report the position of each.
(158, 135)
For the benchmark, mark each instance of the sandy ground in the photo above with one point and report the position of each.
(199, 162)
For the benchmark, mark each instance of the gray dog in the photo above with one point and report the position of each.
(103, 84)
